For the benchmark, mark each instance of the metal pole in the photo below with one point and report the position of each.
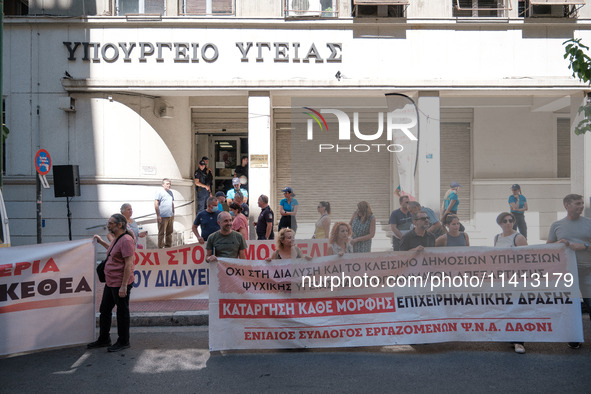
(69, 218)
(1, 94)
(39, 200)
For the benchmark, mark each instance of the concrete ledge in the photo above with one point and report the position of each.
(147, 319)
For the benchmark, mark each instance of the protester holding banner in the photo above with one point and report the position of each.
(119, 280)
(338, 243)
(510, 238)
(435, 226)
(225, 242)
(285, 247)
(454, 236)
(363, 224)
(575, 232)
(322, 228)
(418, 238)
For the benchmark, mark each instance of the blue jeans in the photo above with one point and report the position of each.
(110, 299)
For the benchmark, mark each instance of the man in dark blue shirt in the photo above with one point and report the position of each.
(400, 221)
(207, 220)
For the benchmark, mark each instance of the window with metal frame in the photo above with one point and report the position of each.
(380, 8)
(127, 7)
(16, 7)
(550, 8)
(481, 8)
(311, 8)
(208, 7)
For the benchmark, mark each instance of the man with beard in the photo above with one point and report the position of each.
(225, 242)
(575, 232)
(418, 238)
(119, 280)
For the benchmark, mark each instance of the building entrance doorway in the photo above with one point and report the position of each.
(227, 154)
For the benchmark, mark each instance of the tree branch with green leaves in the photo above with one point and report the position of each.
(580, 63)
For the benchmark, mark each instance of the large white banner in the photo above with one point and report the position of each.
(443, 294)
(46, 295)
(182, 273)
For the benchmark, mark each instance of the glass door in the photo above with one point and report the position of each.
(226, 156)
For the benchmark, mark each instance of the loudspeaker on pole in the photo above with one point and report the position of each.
(66, 181)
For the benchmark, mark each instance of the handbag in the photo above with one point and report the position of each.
(100, 269)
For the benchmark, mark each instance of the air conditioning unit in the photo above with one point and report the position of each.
(305, 8)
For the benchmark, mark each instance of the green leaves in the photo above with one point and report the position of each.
(580, 63)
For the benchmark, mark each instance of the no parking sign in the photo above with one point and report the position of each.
(42, 162)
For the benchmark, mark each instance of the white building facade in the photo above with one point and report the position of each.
(136, 91)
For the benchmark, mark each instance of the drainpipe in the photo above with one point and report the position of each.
(1, 93)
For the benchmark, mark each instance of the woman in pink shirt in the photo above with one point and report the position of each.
(240, 222)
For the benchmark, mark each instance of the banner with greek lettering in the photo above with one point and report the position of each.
(442, 294)
(182, 273)
(46, 295)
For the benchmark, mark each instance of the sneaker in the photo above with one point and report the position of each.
(574, 345)
(98, 343)
(118, 346)
(519, 348)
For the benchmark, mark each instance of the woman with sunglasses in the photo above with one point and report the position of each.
(510, 238)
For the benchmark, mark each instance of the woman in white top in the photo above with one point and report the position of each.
(510, 238)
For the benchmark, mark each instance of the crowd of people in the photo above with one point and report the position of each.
(223, 226)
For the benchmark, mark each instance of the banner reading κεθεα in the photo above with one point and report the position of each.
(442, 294)
(46, 295)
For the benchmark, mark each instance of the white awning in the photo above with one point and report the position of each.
(557, 2)
(381, 2)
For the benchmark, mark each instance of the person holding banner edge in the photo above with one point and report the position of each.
(119, 280)
(575, 232)
(509, 238)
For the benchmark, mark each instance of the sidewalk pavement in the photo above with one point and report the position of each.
(161, 313)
